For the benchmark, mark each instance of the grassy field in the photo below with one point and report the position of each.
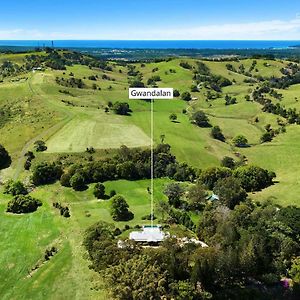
(38, 110)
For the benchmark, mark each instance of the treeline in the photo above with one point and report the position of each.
(290, 114)
(70, 82)
(215, 82)
(130, 164)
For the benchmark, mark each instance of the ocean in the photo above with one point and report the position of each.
(155, 44)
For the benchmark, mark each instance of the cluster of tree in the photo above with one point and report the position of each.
(200, 119)
(250, 247)
(130, 164)
(214, 82)
(119, 209)
(230, 100)
(64, 210)
(255, 243)
(29, 157)
(70, 82)
(5, 159)
(252, 178)
(121, 108)
(292, 76)
(290, 114)
(45, 173)
(14, 188)
(152, 80)
(23, 204)
(185, 65)
(58, 60)
(270, 133)
(8, 68)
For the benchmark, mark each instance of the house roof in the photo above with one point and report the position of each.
(148, 234)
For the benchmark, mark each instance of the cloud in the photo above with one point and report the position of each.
(275, 29)
(263, 30)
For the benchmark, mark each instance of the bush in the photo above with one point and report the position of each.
(186, 96)
(119, 209)
(112, 193)
(173, 117)
(5, 159)
(23, 204)
(240, 141)
(40, 146)
(228, 162)
(200, 119)
(217, 134)
(176, 93)
(15, 188)
(121, 108)
(99, 191)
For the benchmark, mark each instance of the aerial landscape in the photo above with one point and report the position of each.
(114, 187)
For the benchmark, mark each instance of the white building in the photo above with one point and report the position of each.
(149, 234)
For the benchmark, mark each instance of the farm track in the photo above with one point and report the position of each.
(46, 133)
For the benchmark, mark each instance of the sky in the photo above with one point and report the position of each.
(150, 20)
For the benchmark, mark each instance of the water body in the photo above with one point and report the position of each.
(155, 44)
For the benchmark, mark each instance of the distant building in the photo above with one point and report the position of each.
(149, 234)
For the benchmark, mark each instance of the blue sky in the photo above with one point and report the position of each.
(151, 19)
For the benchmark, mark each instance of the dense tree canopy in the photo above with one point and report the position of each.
(5, 159)
(23, 204)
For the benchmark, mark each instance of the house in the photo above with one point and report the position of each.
(149, 234)
(213, 197)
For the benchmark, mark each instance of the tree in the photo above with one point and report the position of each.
(186, 96)
(173, 117)
(15, 188)
(240, 141)
(196, 196)
(230, 191)
(200, 119)
(125, 280)
(228, 162)
(174, 191)
(77, 182)
(121, 108)
(45, 173)
(210, 176)
(99, 191)
(40, 146)
(266, 137)
(23, 204)
(176, 93)
(253, 178)
(217, 134)
(119, 209)
(5, 159)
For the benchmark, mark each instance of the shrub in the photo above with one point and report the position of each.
(99, 191)
(15, 188)
(186, 96)
(23, 204)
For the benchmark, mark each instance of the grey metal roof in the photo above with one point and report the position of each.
(148, 234)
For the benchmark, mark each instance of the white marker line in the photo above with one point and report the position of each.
(152, 163)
